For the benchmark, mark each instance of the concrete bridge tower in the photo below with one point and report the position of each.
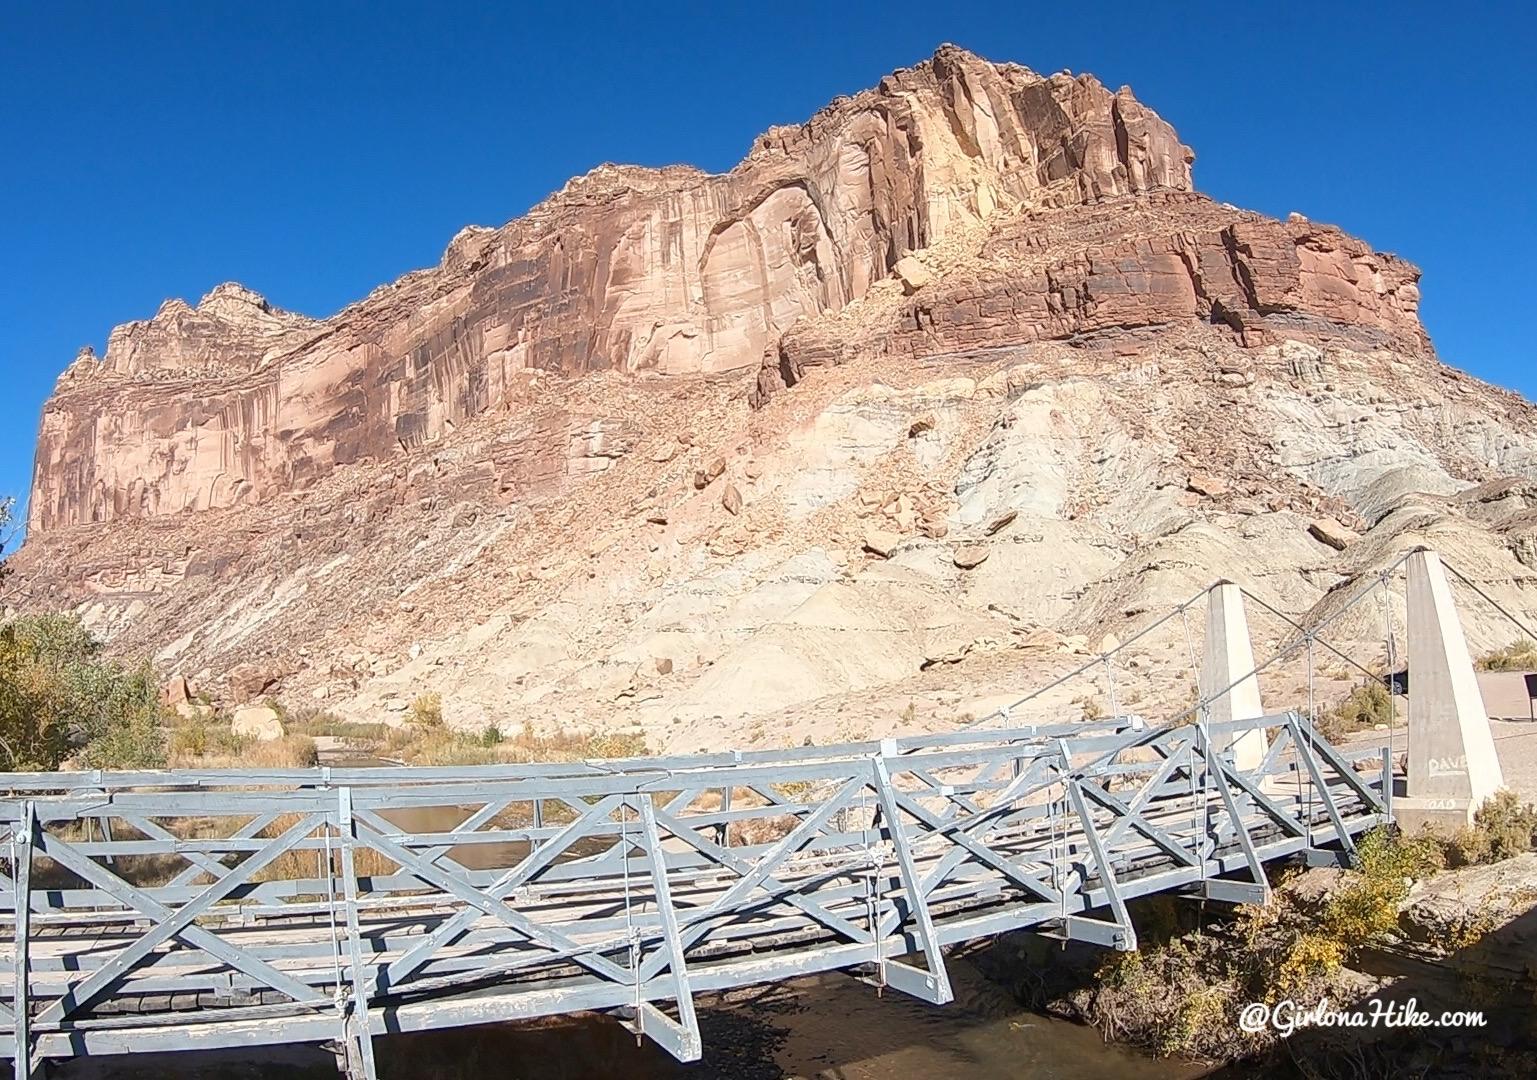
(1453, 767)
(1228, 680)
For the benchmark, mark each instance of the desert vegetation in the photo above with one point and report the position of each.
(438, 744)
(63, 703)
(60, 699)
(8, 529)
(1519, 655)
(1503, 828)
(1366, 706)
(1180, 993)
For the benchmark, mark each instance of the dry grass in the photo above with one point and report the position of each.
(1519, 655)
(431, 745)
(289, 752)
(318, 724)
(303, 865)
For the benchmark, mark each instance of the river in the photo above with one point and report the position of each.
(829, 1026)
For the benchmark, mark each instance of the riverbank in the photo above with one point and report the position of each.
(1455, 940)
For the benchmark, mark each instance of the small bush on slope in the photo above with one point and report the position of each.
(1520, 655)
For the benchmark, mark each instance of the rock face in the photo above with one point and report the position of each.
(629, 269)
(865, 436)
(1158, 260)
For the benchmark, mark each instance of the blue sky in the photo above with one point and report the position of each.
(313, 151)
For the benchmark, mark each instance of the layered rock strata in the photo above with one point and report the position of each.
(666, 270)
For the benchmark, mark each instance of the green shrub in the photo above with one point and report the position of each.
(1502, 829)
(7, 531)
(1363, 708)
(492, 736)
(1365, 909)
(136, 743)
(58, 696)
(1519, 655)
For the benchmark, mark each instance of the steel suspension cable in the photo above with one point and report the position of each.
(1089, 665)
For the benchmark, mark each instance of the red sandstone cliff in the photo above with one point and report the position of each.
(631, 269)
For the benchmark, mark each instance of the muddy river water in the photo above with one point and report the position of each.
(828, 1026)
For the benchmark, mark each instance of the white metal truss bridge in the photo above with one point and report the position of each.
(186, 910)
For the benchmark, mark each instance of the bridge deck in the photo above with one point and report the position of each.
(171, 911)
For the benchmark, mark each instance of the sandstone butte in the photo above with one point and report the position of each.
(614, 462)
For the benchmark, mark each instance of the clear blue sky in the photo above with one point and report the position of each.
(313, 151)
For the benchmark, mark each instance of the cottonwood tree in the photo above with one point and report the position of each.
(8, 530)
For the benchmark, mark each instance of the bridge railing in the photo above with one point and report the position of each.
(165, 910)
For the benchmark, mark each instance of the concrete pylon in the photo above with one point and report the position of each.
(1229, 659)
(1453, 766)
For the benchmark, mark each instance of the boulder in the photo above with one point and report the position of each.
(191, 710)
(912, 273)
(998, 524)
(882, 543)
(704, 477)
(968, 557)
(260, 723)
(1331, 532)
(731, 499)
(177, 691)
(253, 678)
(1206, 484)
(1041, 638)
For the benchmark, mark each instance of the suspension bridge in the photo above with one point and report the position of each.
(168, 911)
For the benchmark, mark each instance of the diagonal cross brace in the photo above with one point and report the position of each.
(178, 923)
(1148, 792)
(959, 834)
(1128, 942)
(491, 902)
(1129, 817)
(681, 1039)
(730, 861)
(958, 830)
(188, 873)
(1326, 750)
(698, 923)
(1347, 841)
(1260, 798)
(1230, 804)
(537, 860)
(932, 985)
